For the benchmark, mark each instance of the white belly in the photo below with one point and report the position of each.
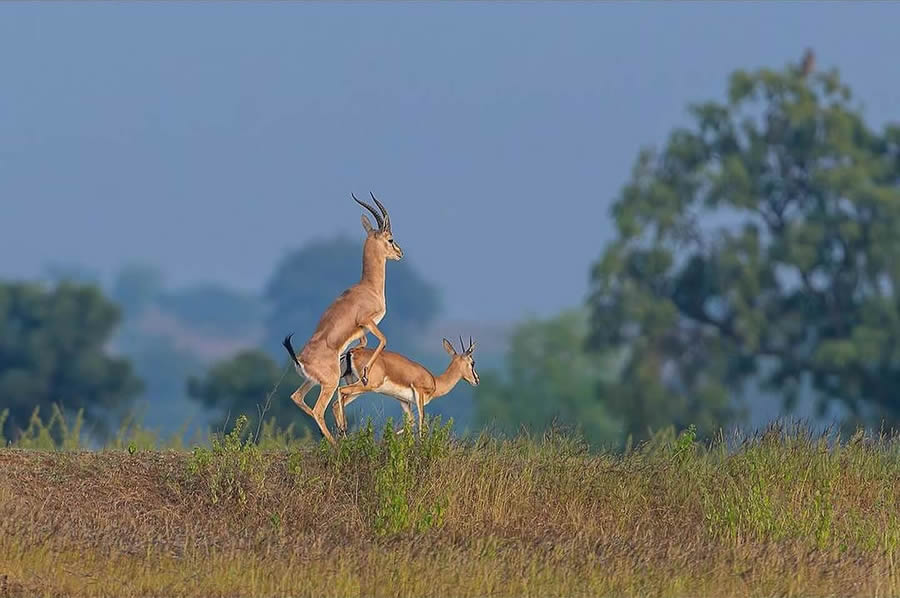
(398, 391)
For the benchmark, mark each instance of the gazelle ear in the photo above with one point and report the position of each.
(448, 347)
(366, 224)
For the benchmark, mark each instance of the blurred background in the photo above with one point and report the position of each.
(646, 214)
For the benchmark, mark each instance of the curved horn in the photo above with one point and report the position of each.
(378, 217)
(387, 217)
(471, 346)
(462, 345)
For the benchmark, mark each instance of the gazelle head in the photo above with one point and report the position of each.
(381, 237)
(464, 361)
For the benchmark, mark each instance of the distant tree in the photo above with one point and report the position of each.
(241, 385)
(548, 377)
(136, 286)
(52, 351)
(309, 279)
(213, 308)
(164, 367)
(762, 242)
(57, 272)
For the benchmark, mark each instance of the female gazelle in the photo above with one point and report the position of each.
(407, 381)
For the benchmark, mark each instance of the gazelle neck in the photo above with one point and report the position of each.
(373, 266)
(445, 382)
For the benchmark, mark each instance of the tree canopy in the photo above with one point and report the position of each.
(242, 384)
(548, 379)
(52, 351)
(213, 308)
(761, 242)
(306, 281)
(137, 286)
(243, 379)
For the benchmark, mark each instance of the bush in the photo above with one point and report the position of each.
(56, 435)
(232, 468)
(393, 469)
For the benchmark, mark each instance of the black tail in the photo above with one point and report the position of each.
(346, 367)
(290, 349)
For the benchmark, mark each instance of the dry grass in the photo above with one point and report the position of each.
(785, 514)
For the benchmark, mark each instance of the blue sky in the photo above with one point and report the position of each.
(210, 138)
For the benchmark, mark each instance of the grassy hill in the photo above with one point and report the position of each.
(782, 514)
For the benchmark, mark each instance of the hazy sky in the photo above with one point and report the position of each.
(210, 138)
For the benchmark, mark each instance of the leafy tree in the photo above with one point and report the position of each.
(241, 385)
(164, 367)
(213, 308)
(763, 242)
(309, 279)
(56, 272)
(52, 351)
(137, 286)
(548, 377)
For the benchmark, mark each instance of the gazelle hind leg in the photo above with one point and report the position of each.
(338, 410)
(300, 393)
(346, 395)
(318, 411)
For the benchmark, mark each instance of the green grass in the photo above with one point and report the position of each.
(782, 513)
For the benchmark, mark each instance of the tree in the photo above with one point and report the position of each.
(164, 367)
(762, 242)
(137, 286)
(57, 272)
(52, 351)
(309, 279)
(241, 385)
(548, 377)
(213, 308)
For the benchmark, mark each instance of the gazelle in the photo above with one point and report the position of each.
(407, 381)
(355, 312)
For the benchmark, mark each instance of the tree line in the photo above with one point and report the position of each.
(756, 250)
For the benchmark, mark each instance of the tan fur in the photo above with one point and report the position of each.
(355, 312)
(405, 380)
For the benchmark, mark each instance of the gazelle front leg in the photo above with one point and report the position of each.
(419, 396)
(407, 414)
(382, 341)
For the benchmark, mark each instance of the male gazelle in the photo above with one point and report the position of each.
(355, 312)
(407, 381)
